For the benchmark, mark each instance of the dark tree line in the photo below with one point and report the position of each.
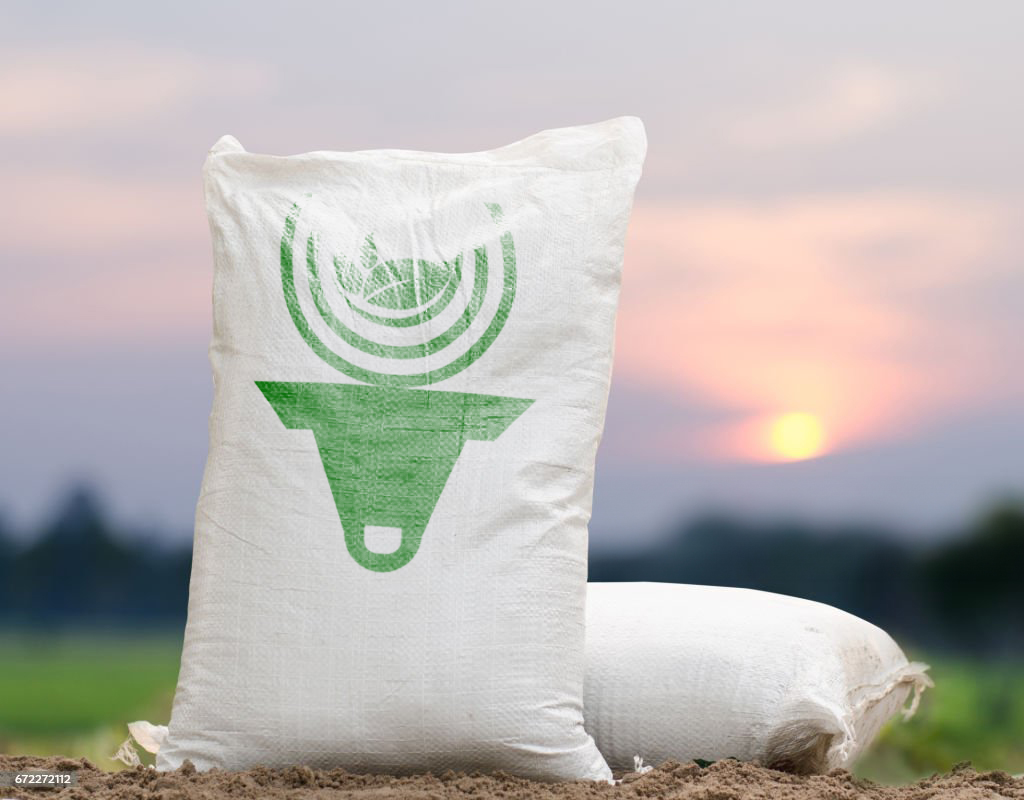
(79, 571)
(963, 593)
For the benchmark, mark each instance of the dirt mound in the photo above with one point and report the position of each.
(723, 780)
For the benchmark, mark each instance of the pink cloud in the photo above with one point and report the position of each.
(102, 259)
(165, 300)
(844, 101)
(104, 86)
(75, 213)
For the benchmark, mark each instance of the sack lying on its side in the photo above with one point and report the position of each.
(684, 672)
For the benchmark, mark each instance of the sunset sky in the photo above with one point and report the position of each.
(823, 298)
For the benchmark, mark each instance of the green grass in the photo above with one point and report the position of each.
(73, 694)
(975, 713)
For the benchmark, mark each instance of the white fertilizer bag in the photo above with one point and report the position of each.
(704, 672)
(411, 356)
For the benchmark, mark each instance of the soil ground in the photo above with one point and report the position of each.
(724, 780)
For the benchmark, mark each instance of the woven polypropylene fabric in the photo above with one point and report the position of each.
(706, 672)
(411, 357)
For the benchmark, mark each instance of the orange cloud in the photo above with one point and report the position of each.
(810, 304)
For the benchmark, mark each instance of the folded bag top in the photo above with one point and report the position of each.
(411, 356)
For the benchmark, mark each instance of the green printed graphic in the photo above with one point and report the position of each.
(388, 452)
(404, 284)
(396, 351)
(433, 307)
(364, 374)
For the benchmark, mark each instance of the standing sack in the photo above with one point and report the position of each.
(411, 356)
(706, 672)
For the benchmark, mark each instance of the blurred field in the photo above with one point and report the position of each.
(72, 695)
(975, 713)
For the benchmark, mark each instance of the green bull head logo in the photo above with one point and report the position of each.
(388, 449)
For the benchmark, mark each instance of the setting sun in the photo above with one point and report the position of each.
(797, 435)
